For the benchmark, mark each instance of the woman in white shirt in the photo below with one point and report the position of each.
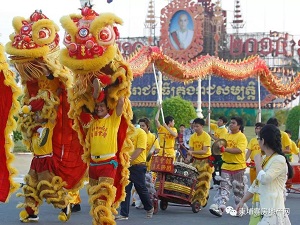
(273, 169)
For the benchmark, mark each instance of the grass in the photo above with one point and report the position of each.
(19, 147)
(249, 132)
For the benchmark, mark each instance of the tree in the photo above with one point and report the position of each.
(292, 121)
(182, 110)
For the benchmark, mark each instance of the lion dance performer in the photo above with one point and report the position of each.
(44, 123)
(9, 106)
(102, 84)
(200, 151)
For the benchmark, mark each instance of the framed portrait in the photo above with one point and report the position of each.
(181, 29)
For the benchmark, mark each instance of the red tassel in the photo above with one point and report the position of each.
(101, 96)
(37, 104)
(105, 79)
(85, 118)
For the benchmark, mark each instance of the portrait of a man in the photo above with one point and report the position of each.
(181, 30)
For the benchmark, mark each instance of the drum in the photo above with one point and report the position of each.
(296, 178)
(181, 183)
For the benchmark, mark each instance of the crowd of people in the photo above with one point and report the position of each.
(267, 155)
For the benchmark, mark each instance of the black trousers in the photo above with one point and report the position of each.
(217, 169)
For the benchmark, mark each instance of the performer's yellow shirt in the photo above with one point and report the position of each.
(235, 161)
(139, 140)
(46, 149)
(198, 141)
(151, 141)
(254, 147)
(285, 140)
(165, 136)
(219, 132)
(294, 148)
(102, 135)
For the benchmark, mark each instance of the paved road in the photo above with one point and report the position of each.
(174, 215)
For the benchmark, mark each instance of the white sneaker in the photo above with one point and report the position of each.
(214, 209)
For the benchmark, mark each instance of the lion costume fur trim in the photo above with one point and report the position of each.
(27, 123)
(34, 192)
(101, 201)
(11, 125)
(203, 182)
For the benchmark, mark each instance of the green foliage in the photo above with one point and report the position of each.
(292, 122)
(182, 110)
(17, 136)
(140, 113)
(265, 115)
(281, 116)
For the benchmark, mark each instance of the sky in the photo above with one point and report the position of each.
(259, 15)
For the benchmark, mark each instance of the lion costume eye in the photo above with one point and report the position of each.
(105, 35)
(44, 33)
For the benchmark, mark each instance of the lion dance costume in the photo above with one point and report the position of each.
(57, 164)
(9, 106)
(203, 181)
(100, 72)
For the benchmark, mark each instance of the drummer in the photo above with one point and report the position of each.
(200, 152)
(219, 132)
(219, 129)
(167, 135)
(253, 149)
(233, 167)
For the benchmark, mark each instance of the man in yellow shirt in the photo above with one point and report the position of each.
(167, 135)
(285, 140)
(294, 147)
(233, 167)
(253, 149)
(41, 182)
(152, 148)
(152, 141)
(102, 139)
(219, 129)
(200, 151)
(219, 132)
(137, 171)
